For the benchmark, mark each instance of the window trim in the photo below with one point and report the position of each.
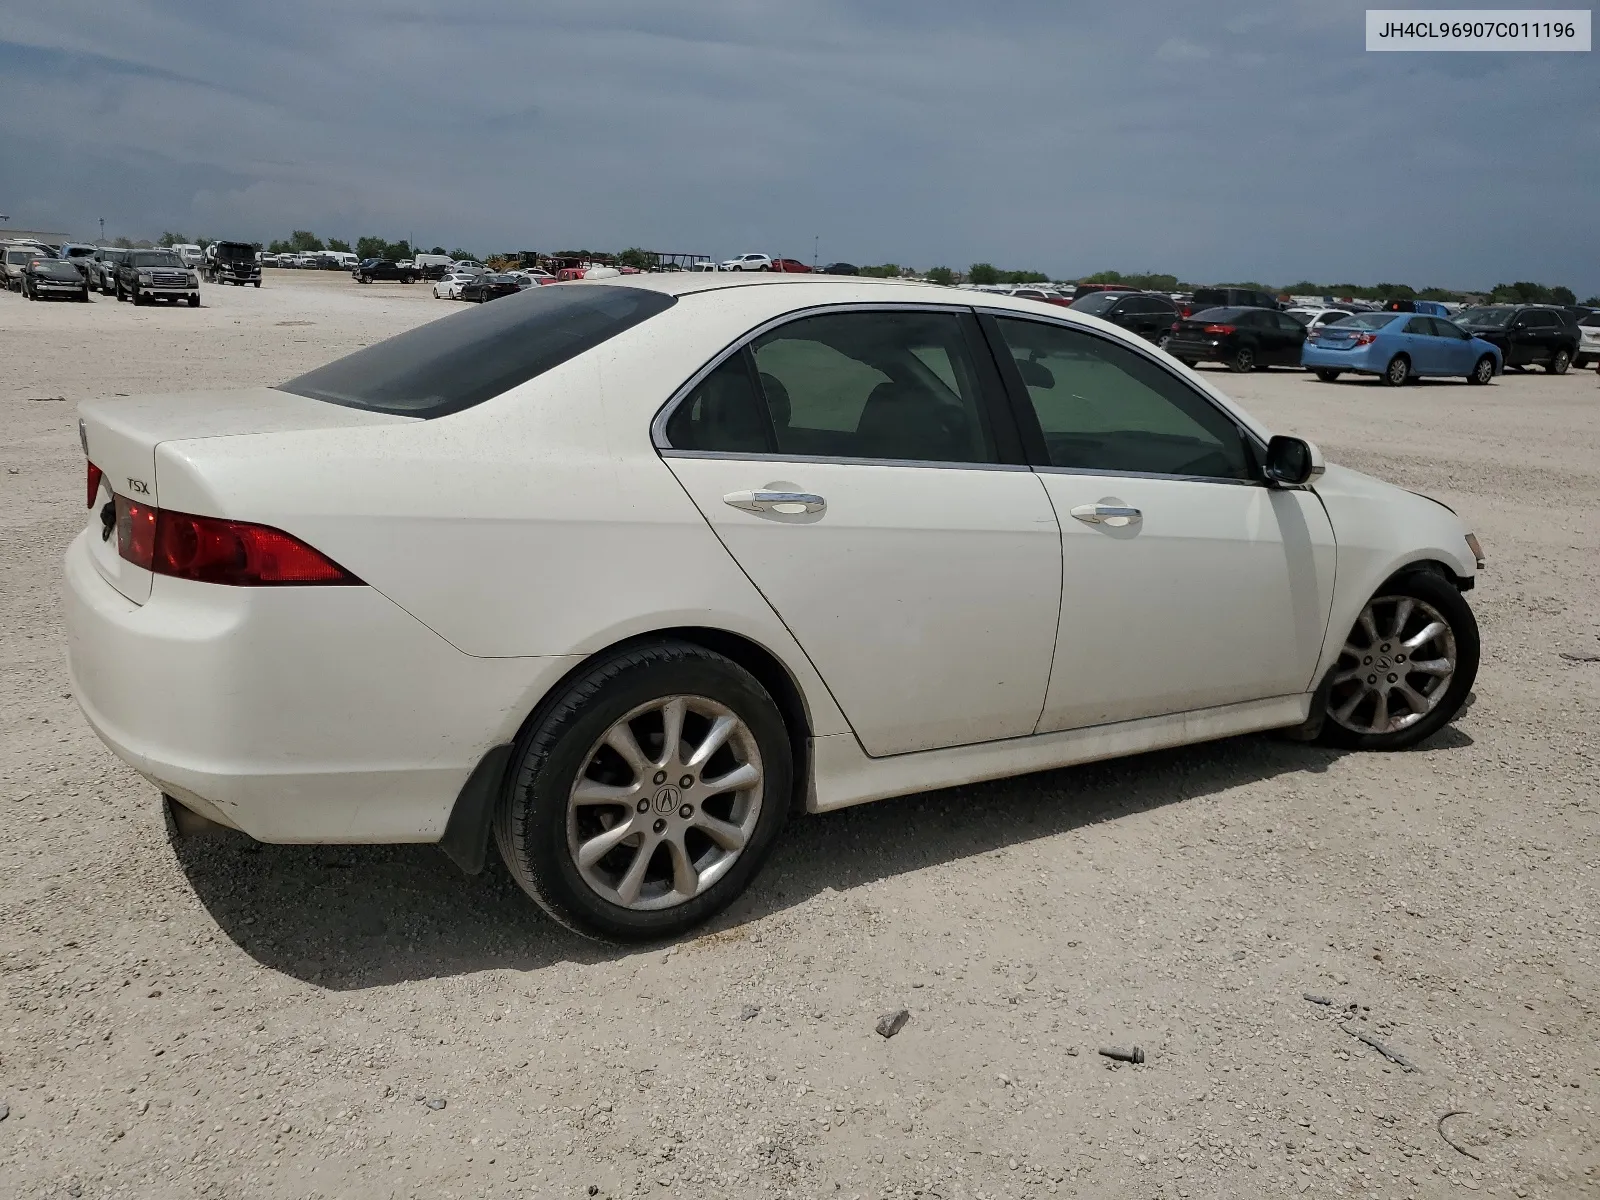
(1033, 434)
(1010, 447)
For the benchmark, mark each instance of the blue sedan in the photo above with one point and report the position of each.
(1397, 347)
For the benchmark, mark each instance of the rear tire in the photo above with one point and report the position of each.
(256, 283)
(1359, 677)
(1243, 361)
(1559, 364)
(539, 828)
(194, 301)
(1482, 370)
(1326, 375)
(1188, 362)
(1398, 372)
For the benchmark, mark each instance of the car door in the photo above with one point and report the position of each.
(1545, 335)
(1424, 346)
(1186, 582)
(1291, 336)
(1458, 355)
(854, 464)
(1522, 340)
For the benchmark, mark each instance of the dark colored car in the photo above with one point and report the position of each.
(373, 270)
(156, 274)
(1526, 334)
(233, 262)
(792, 265)
(1148, 314)
(1247, 339)
(840, 269)
(1228, 297)
(54, 279)
(489, 287)
(1089, 289)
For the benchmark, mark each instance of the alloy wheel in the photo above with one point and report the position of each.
(666, 802)
(1398, 370)
(1395, 667)
(1560, 363)
(1484, 370)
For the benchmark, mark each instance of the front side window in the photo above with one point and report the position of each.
(1105, 407)
(884, 385)
(1420, 325)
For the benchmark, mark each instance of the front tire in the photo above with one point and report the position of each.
(1398, 371)
(1559, 364)
(1243, 361)
(1482, 370)
(1326, 375)
(646, 797)
(1406, 667)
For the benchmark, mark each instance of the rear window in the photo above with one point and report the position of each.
(1219, 314)
(1209, 296)
(462, 360)
(1096, 303)
(1369, 320)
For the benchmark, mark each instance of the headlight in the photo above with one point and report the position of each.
(194, 280)
(144, 276)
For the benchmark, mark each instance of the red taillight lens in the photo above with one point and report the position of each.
(95, 475)
(1175, 325)
(213, 550)
(1222, 329)
(136, 532)
(1365, 339)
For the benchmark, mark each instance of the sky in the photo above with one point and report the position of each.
(1220, 142)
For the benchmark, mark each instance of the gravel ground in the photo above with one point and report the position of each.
(219, 1019)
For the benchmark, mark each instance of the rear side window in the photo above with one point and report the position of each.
(462, 360)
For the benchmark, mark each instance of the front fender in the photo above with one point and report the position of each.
(1380, 530)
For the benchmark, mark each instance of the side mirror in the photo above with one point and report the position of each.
(1292, 461)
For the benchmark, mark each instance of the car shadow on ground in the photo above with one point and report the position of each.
(351, 917)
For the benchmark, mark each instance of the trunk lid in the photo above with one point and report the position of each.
(120, 437)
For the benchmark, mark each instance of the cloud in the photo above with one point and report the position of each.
(917, 131)
(1178, 50)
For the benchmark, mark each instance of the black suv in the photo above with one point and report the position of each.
(1527, 335)
(1149, 314)
(144, 276)
(233, 262)
(1229, 297)
(380, 268)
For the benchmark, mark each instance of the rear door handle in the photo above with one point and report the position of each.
(1107, 514)
(788, 503)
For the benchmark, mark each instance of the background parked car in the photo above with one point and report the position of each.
(159, 274)
(748, 262)
(17, 256)
(1398, 347)
(1043, 295)
(484, 287)
(232, 262)
(54, 279)
(840, 268)
(103, 269)
(1526, 334)
(1247, 339)
(1089, 289)
(792, 265)
(1228, 297)
(1149, 314)
(79, 255)
(373, 270)
(1588, 341)
(449, 288)
(1316, 318)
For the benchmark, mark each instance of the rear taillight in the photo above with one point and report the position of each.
(213, 550)
(95, 475)
(1175, 325)
(1224, 330)
(1365, 339)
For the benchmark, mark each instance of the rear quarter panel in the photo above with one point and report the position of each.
(540, 523)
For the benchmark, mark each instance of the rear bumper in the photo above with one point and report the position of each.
(1361, 360)
(294, 714)
(1200, 349)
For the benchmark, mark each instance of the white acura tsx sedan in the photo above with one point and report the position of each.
(620, 575)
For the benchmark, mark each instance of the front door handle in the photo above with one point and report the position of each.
(1116, 515)
(788, 503)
